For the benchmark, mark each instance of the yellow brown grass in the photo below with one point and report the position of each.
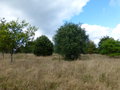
(28, 72)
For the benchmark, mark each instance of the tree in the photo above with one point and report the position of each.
(101, 49)
(102, 40)
(18, 33)
(91, 47)
(109, 46)
(21, 33)
(70, 41)
(4, 37)
(43, 46)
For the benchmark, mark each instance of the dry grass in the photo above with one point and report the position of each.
(92, 72)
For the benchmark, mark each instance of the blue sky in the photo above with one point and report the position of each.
(99, 12)
(99, 17)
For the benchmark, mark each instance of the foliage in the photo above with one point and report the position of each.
(16, 34)
(100, 48)
(91, 47)
(70, 41)
(109, 46)
(102, 40)
(43, 46)
(4, 37)
(28, 48)
(115, 55)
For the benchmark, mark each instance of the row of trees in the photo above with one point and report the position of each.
(70, 41)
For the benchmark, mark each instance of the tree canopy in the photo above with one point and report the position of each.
(109, 46)
(43, 46)
(70, 41)
(14, 34)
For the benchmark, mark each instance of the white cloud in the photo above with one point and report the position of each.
(96, 32)
(9, 13)
(48, 15)
(116, 32)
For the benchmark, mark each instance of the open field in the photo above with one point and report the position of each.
(28, 72)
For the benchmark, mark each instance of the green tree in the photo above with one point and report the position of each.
(43, 46)
(18, 34)
(102, 40)
(91, 47)
(4, 37)
(21, 33)
(100, 44)
(70, 41)
(109, 46)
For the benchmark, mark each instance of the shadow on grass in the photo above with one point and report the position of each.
(61, 58)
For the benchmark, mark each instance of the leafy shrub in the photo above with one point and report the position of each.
(109, 46)
(43, 46)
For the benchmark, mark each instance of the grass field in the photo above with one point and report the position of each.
(28, 72)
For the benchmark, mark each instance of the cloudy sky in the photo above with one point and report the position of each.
(99, 17)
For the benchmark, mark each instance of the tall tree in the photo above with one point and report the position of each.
(70, 41)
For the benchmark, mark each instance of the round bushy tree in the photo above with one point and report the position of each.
(70, 41)
(43, 46)
(109, 46)
(102, 40)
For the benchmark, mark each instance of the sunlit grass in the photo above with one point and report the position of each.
(28, 72)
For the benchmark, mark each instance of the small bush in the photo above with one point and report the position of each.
(43, 46)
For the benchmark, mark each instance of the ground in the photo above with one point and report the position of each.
(28, 72)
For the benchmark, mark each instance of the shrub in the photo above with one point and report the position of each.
(43, 46)
(109, 47)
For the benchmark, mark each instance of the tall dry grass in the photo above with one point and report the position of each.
(28, 72)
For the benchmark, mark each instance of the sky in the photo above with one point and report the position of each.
(98, 17)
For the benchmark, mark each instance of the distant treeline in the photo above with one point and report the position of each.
(70, 41)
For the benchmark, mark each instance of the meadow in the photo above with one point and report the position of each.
(28, 72)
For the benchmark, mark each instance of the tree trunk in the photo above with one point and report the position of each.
(11, 56)
(3, 55)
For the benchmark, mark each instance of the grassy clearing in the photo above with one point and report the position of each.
(28, 72)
